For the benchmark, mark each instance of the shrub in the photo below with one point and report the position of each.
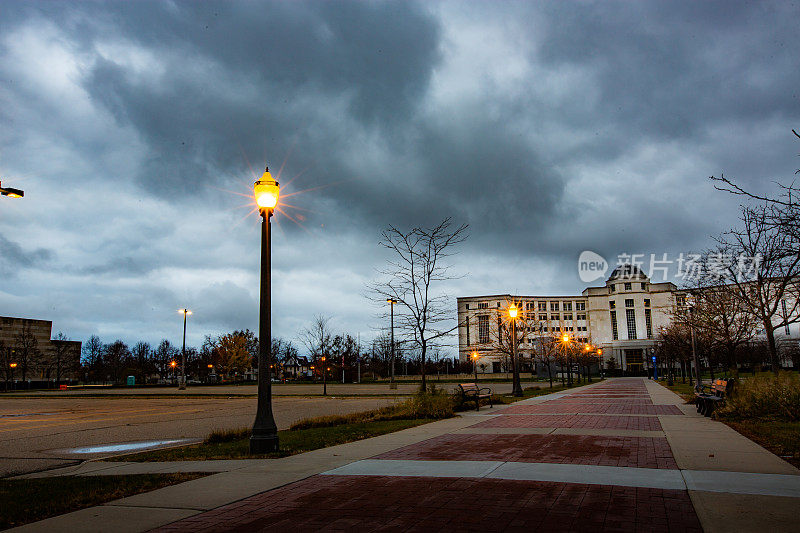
(435, 404)
(227, 435)
(765, 397)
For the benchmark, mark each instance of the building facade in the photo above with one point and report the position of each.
(622, 318)
(26, 343)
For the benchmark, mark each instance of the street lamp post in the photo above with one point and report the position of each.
(516, 387)
(172, 365)
(12, 366)
(565, 346)
(697, 386)
(182, 384)
(600, 362)
(475, 361)
(392, 384)
(264, 438)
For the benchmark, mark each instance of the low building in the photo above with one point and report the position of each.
(27, 344)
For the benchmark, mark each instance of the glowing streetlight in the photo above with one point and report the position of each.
(475, 358)
(392, 384)
(182, 384)
(11, 193)
(264, 438)
(324, 377)
(516, 387)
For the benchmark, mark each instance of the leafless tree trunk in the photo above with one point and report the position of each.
(418, 263)
(317, 338)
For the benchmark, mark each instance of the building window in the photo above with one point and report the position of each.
(543, 317)
(483, 329)
(580, 316)
(542, 306)
(614, 332)
(466, 323)
(612, 304)
(648, 322)
(628, 286)
(567, 316)
(567, 306)
(647, 302)
(628, 302)
(680, 299)
(483, 305)
(630, 318)
(580, 306)
(644, 286)
(554, 318)
(611, 288)
(554, 306)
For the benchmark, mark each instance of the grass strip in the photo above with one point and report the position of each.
(27, 500)
(780, 437)
(236, 444)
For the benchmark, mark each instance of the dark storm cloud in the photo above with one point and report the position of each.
(13, 257)
(237, 75)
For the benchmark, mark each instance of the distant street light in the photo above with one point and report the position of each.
(392, 384)
(600, 361)
(12, 366)
(264, 438)
(182, 385)
(11, 193)
(173, 364)
(516, 387)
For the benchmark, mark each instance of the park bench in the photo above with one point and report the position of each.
(711, 396)
(471, 391)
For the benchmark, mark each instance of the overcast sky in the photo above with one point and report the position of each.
(549, 127)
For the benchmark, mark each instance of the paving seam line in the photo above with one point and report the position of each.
(669, 479)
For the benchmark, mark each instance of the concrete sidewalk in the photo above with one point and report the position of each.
(620, 455)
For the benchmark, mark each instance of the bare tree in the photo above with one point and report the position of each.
(61, 352)
(770, 292)
(418, 263)
(26, 350)
(141, 354)
(92, 354)
(317, 338)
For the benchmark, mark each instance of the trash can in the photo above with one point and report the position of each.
(131, 380)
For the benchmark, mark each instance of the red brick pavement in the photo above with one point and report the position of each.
(380, 503)
(603, 400)
(612, 409)
(636, 452)
(639, 423)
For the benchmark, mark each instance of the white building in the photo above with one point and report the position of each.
(622, 317)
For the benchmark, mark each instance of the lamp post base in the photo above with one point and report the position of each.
(260, 444)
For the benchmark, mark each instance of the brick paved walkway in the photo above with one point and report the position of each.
(373, 502)
(640, 423)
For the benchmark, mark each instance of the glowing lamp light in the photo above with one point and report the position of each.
(13, 365)
(565, 338)
(512, 311)
(173, 364)
(184, 311)
(475, 355)
(599, 351)
(266, 191)
(210, 366)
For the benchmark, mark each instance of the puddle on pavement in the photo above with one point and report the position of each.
(126, 446)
